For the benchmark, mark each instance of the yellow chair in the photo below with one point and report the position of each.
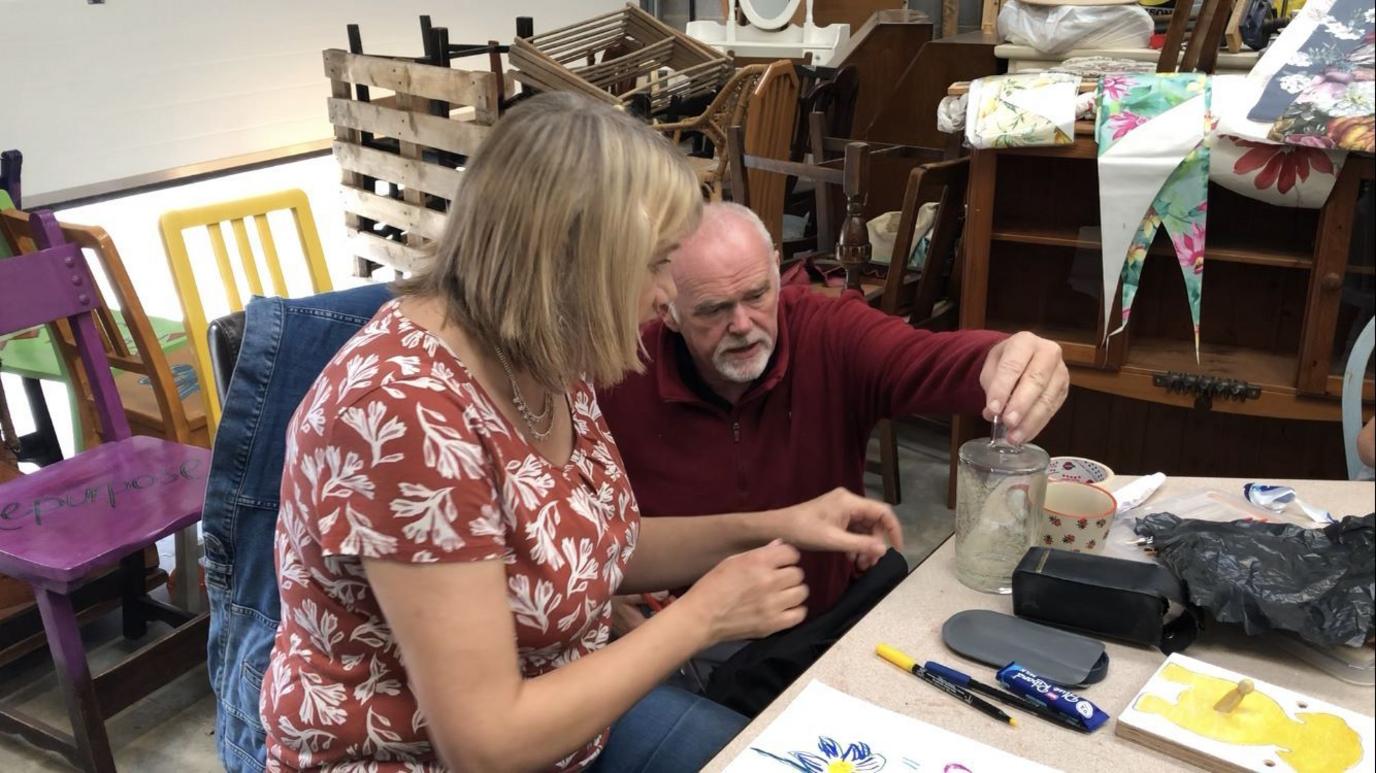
(212, 217)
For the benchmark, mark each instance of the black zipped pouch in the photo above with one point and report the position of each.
(1108, 597)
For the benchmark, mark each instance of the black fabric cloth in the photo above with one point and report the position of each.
(1318, 583)
(752, 678)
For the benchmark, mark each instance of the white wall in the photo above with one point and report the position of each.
(97, 93)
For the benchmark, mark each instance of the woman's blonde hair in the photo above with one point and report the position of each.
(547, 246)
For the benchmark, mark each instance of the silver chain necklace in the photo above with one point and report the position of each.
(546, 414)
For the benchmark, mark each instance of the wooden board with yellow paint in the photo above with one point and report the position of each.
(1271, 729)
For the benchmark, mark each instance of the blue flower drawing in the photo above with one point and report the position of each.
(856, 758)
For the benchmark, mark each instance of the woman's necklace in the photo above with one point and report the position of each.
(532, 419)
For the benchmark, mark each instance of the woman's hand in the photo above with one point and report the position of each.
(842, 522)
(626, 615)
(750, 595)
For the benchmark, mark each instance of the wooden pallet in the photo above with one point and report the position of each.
(417, 139)
(616, 57)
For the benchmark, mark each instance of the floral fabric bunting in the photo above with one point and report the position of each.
(1315, 85)
(1006, 111)
(1153, 173)
(1335, 110)
(1335, 33)
(1283, 175)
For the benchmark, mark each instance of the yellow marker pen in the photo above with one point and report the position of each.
(964, 696)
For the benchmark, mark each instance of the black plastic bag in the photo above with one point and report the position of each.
(1318, 583)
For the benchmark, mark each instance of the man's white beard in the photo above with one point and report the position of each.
(736, 370)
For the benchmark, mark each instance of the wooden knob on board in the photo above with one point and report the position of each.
(1230, 701)
(1331, 281)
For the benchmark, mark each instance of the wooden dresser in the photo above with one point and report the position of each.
(1285, 293)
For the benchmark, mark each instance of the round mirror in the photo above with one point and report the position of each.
(769, 14)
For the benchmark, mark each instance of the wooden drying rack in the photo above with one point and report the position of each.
(615, 58)
(404, 140)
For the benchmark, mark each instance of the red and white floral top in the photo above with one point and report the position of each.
(397, 453)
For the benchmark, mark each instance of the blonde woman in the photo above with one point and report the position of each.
(454, 502)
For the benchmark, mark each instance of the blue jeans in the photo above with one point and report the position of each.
(668, 730)
(286, 345)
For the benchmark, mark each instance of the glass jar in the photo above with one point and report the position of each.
(1000, 488)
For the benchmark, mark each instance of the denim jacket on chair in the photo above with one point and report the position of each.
(287, 342)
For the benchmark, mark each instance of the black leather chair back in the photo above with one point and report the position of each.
(226, 334)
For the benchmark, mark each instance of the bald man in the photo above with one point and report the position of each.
(758, 397)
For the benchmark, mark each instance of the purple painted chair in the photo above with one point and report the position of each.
(91, 514)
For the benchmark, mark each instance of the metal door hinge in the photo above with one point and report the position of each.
(1206, 388)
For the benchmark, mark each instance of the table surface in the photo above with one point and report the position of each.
(1243, 60)
(910, 618)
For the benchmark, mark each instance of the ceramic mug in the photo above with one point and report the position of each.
(1076, 516)
(1079, 469)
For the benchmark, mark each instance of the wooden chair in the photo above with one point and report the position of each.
(922, 295)
(156, 373)
(727, 109)
(899, 159)
(769, 123)
(236, 214)
(153, 382)
(1201, 49)
(566, 59)
(851, 250)
(829, 151)
(831, 93)
(138, 490)
(40, 446)
(157, 389)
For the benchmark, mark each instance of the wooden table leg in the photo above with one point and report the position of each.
(74, 678)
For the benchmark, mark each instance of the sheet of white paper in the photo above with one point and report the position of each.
(1131, 174)
(894, 742)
